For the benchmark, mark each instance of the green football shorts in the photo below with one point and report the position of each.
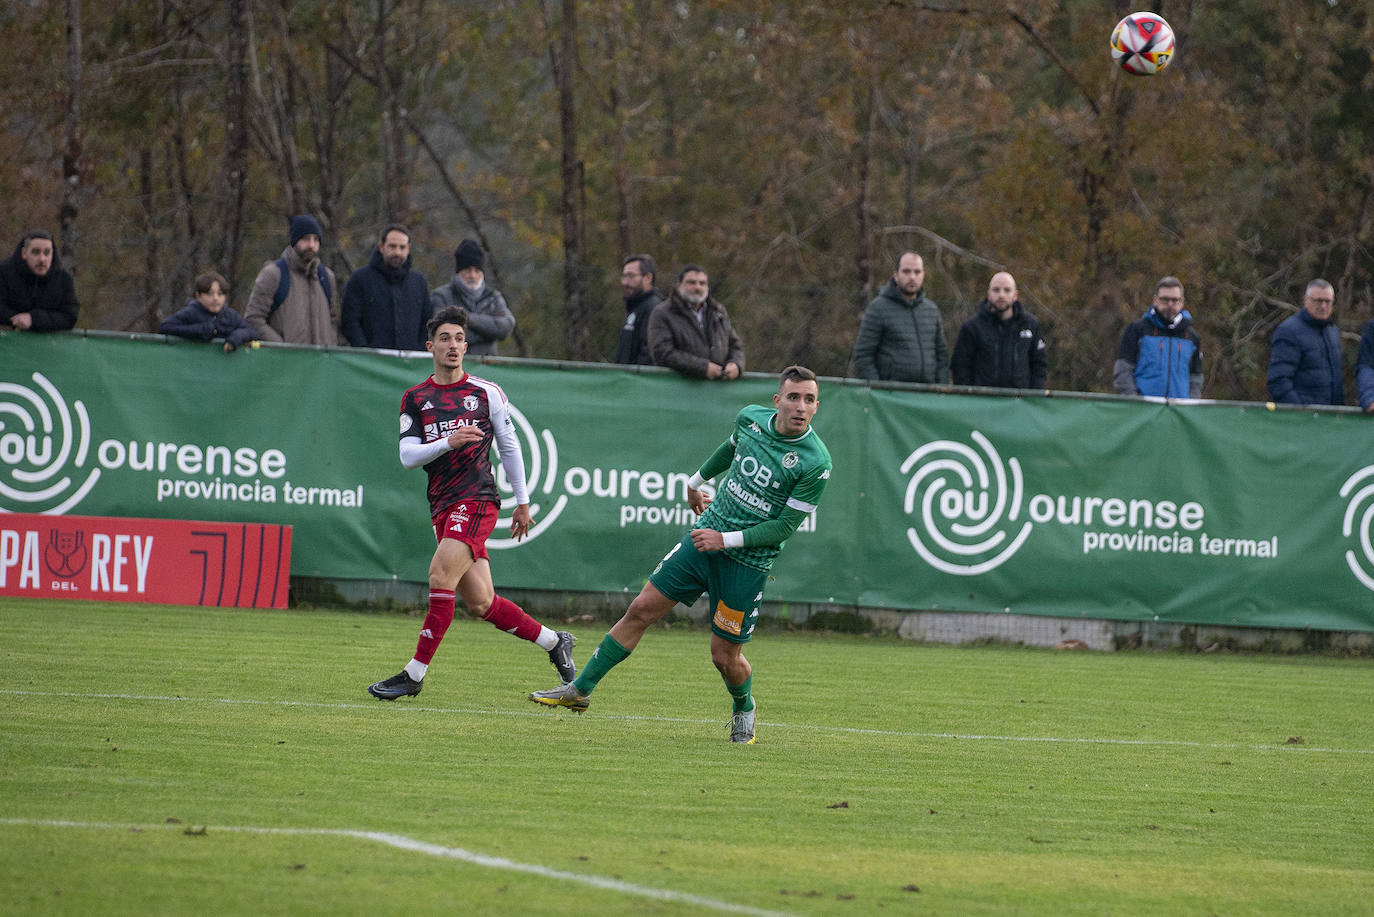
(735, 590)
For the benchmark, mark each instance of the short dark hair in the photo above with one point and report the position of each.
(647, 264)
(1170, 281)
(691, 268)
(394, 227)
(35, 234)
(204, 282)
(796, 373)
(897, 265)
(449, 315)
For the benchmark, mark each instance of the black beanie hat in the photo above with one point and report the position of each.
(468, 254)
(304, 225)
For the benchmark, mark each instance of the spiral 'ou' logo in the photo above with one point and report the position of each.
(1358, 523)
(541, 476)
(966, 501)
(44, 446)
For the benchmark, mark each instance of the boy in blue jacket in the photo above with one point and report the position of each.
(206, 317)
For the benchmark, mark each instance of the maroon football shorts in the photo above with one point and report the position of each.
(470, 522)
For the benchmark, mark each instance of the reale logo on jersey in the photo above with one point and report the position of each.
(44, 449)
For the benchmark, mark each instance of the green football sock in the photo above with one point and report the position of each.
(607, 656)
(744, 701)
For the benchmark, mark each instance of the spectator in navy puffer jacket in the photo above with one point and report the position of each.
(1305, 362)
(207, 316)
(1364, 369)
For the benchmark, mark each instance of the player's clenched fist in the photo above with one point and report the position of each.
(707, 540)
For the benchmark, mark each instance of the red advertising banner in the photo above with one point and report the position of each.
(164, 561)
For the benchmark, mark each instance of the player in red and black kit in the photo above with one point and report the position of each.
(448, 423)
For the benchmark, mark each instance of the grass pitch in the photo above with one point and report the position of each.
(174, 760)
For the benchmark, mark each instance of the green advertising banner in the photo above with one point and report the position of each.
(1072, 507)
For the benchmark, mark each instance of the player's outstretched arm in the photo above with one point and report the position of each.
(717, 462)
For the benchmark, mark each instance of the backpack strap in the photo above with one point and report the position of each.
(284, 284)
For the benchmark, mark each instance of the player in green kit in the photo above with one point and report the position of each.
(778, 468)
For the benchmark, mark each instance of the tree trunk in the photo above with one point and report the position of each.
(233, 180)
(615, 37)
(866, 116)
(71, 151)
(390, 130)
(188, 260)
(575, 330)
(150, 317)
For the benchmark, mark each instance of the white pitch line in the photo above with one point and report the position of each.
(633, 718)
(401, 842)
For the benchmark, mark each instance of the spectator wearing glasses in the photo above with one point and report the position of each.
(637, 276)
(1305, 358)
(1160, 353)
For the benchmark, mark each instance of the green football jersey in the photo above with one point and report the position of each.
(769, 474)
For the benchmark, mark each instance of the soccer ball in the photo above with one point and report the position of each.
(1143, 44)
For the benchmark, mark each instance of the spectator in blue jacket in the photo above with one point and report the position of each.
(1364, 369)
(385, 302)
(1305, 360)
(207, 316)
(1160, 353)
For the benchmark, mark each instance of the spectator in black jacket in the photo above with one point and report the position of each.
(1001, 346)
(36, 294)
(206, 316)
(385, 303)
(637, 276)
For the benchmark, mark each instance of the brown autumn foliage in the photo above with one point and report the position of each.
(794, 148)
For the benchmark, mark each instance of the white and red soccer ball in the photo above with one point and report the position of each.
(1143, 44)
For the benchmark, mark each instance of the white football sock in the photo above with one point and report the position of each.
(416, 669)
(547, 639)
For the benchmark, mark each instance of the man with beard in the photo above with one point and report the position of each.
(489, 318)
(1001, 346)
(36, 294)
(901, 337)
(1160, 354)
(690, 332)
(773, 470)
(637, 276)
(385, 303)
(293, 297)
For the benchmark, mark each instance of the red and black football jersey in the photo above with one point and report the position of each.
(431, 412)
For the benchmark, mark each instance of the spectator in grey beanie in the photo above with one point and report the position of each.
(489, 318)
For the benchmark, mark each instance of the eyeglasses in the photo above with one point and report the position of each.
(1321, 302)
(1169, 299)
